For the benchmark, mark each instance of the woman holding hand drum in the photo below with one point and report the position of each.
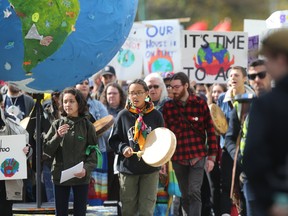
(138, 180)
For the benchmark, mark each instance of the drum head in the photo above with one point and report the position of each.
(218, 118)
(159, 147)
(103, 124)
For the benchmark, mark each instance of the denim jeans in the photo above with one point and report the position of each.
(190, 180)
(249, 197)
(49, 189)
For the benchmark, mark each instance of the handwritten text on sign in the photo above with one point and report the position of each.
(162, 46)
(12, 158)
(208, 56)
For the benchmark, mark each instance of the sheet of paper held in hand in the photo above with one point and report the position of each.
(69, 173)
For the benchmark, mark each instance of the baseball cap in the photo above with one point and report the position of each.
(108, 70)
(275, 42)
(168, 75)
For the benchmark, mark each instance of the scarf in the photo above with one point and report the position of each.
(140, 132)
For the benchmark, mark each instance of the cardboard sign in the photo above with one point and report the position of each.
(128, 61)
(162, 46)
(12, 158)
(253, 47)
(278, 19)
(207, 56)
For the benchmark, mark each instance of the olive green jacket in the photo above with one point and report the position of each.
(70, 150)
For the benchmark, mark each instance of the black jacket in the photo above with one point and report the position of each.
(265, 155)
(122, 137)
(232, 134)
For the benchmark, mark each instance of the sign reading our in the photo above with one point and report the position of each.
(207, 56)
(12, 158)
(162, 46)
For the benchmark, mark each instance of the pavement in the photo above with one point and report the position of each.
(25, 209)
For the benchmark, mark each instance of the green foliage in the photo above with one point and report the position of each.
(213, 11)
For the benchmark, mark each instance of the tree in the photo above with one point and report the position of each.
(213, 11)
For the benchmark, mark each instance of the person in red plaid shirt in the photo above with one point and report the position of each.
(188, 116)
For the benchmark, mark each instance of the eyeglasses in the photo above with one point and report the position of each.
(175, 87)
(107, 76)
(136, 93)
(261, 75)
(168, 86)
(153, 86)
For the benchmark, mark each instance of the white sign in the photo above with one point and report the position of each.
(207, 56)
(12, 158)
(162, 46)
(278, 19)
(128, 62)
(254, 27)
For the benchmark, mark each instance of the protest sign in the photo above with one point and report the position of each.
(12, 158)
(207, 56)
(254, 27)
(278, 19)
(128, 62)
(253, 46)
(162, 46)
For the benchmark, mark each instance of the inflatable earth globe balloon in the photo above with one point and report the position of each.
(53, 44)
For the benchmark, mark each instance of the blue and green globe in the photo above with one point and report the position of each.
(50, 45)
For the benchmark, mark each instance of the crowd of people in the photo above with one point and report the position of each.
(239, 172)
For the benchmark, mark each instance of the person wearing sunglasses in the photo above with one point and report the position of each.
(157, 90)
(258, 77)
(266, 149)
(260, 80)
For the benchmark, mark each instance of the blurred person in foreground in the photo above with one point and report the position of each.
(266, 150)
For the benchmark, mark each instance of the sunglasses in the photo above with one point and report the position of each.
(261, 75)
(153, 86)
(84, 83)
